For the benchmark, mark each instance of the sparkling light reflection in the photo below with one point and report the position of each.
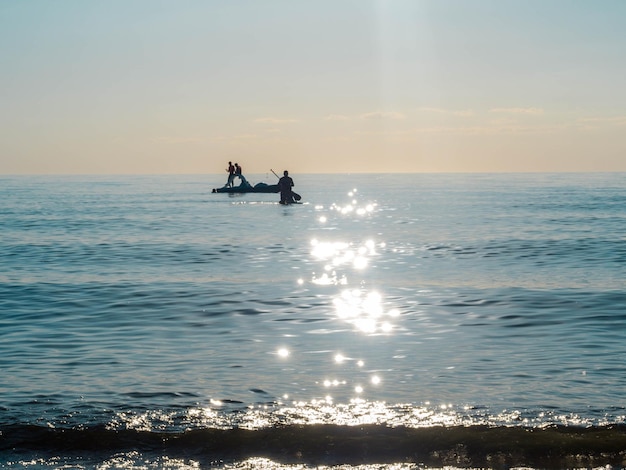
(260, 463)
(340, 254)
(356, 412)
(137, 460)
(357, 306)
(364, 310)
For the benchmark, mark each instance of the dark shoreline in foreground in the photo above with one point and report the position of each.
(459, 446)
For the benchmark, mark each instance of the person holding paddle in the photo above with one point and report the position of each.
(284, 185)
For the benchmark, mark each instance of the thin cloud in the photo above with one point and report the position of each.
(237, 138)
(598, 123)
(383, 115)
(179, 140)
(478, 130)
(494, 129)
(617, 120)
(272, 120)
(528, 111)
(449, 112)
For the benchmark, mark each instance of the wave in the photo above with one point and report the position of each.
(472, 446)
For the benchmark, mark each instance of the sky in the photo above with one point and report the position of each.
(319, 86)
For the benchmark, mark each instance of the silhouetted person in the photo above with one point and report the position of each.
(284, 185)
(239, 174)
(231, 174)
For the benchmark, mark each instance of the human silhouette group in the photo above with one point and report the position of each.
(235, 171)
(285, 183)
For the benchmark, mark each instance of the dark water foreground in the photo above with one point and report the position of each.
(311, 445)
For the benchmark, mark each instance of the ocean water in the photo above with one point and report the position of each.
(388, 321)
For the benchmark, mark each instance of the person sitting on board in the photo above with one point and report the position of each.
(284, 185)
(231, 175)
(238, 173)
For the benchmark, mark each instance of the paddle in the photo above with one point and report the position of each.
(296, 196)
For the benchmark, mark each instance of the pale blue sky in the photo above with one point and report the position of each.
(146, 86)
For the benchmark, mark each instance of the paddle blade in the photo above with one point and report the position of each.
(296, 196)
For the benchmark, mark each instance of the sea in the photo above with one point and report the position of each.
(388, 321)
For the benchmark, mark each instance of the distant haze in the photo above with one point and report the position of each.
(151, 86)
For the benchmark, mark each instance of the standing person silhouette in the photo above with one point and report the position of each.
(231, 175)
(284, 185)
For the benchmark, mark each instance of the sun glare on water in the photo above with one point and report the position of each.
(341, 261)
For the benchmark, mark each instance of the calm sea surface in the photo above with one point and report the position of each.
(407, 320)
